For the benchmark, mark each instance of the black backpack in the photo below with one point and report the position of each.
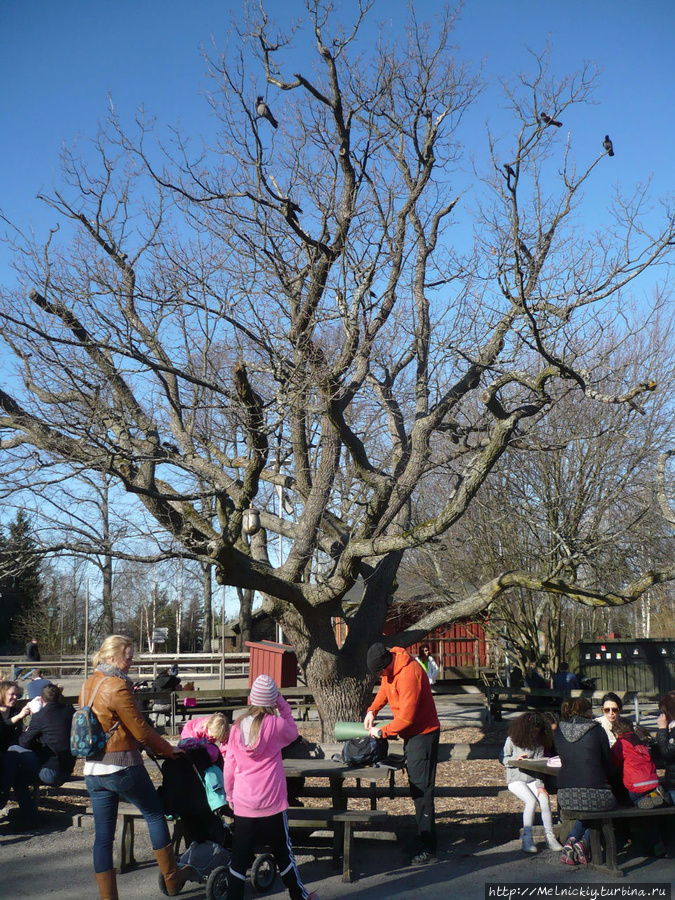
(364, 751)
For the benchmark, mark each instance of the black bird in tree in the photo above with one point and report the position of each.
(509, 170)
(608, 145)
(263, 111)
(291, 209)
(547, 120)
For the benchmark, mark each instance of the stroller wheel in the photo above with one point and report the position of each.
(162, 884)
(263, 872)
(216, 886)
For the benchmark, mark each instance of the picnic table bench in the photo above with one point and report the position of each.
(336, 820)
(127, 814)
(344, 821)
(601, 825)
(499, 698)
(228, 701)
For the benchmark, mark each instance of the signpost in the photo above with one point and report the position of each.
(160, 635)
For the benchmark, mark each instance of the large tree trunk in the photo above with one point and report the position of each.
(339, 679)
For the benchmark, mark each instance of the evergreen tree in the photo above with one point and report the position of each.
(20, 575)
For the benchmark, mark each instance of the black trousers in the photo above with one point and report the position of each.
(251, 834)
(421, 752)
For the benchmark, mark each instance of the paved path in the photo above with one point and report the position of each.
(56, 865)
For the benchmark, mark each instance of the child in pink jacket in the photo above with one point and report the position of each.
(255, 785)
(213, 728)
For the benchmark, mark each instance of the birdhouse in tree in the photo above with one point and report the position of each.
(251, 523)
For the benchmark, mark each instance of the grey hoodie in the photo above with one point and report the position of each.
(511, 752)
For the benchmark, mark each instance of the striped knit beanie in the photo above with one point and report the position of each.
(264, 691)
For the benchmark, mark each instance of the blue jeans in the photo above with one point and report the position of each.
(20, 769)
(133, 785)
(580, 831)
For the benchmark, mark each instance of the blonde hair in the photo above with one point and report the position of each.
(257, 713)
(111, 648)
(5, 687)
(217, 727)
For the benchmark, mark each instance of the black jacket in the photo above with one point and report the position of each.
(583, 748)
(48, 735)
(10, 731)
(165, 681)
(665, 741)
(32, 652)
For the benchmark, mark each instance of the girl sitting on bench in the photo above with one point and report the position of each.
(530, 737)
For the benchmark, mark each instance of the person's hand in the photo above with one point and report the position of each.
(26, 711)
(542, 792)
(523, 756)
(177, 752)
(375, 732)
(369, 719)
(662, 721)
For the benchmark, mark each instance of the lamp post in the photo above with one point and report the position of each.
(51, 611)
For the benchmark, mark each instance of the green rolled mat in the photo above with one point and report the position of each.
(345, 731)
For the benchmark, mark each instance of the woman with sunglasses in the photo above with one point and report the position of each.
(611, 710)
(665, 739)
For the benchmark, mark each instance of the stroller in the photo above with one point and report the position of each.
(192, 795)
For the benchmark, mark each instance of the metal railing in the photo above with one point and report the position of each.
(192, 666)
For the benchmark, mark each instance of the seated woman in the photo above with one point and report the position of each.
(612, 708)
(11, 717)
(11, 726)
(665, 739)
(638, 771)
(583, 781)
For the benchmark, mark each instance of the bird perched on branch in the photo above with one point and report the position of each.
(263, 111)
(547, 120)
(509, 170)
(608, 145)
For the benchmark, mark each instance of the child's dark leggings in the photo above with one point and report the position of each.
(255, 834)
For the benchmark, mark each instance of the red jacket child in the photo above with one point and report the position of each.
(635, 761)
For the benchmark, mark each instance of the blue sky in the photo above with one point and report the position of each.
(59, 62)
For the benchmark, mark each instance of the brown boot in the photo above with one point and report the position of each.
(107, 885)
(174, 876)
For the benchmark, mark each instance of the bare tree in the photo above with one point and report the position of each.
(299, 308)
(580, 502)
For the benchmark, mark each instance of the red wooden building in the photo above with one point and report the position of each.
(460, 648)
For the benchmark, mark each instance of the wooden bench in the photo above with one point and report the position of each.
(74, 785)
(601, 825)
(123, 853)
(345, 820)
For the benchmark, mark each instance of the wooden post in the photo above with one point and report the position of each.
(86, 631)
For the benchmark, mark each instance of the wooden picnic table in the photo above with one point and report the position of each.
(336, 817)
(539, 767)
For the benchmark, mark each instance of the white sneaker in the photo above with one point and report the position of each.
(552, 842)
(528, 844)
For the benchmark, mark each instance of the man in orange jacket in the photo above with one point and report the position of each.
(405, 687)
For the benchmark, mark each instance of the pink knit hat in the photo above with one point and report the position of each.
(264, 691)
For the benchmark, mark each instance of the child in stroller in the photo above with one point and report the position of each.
(192, 794)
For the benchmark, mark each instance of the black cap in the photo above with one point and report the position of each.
(378, 658)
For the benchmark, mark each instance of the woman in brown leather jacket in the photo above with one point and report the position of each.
(119, 773)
